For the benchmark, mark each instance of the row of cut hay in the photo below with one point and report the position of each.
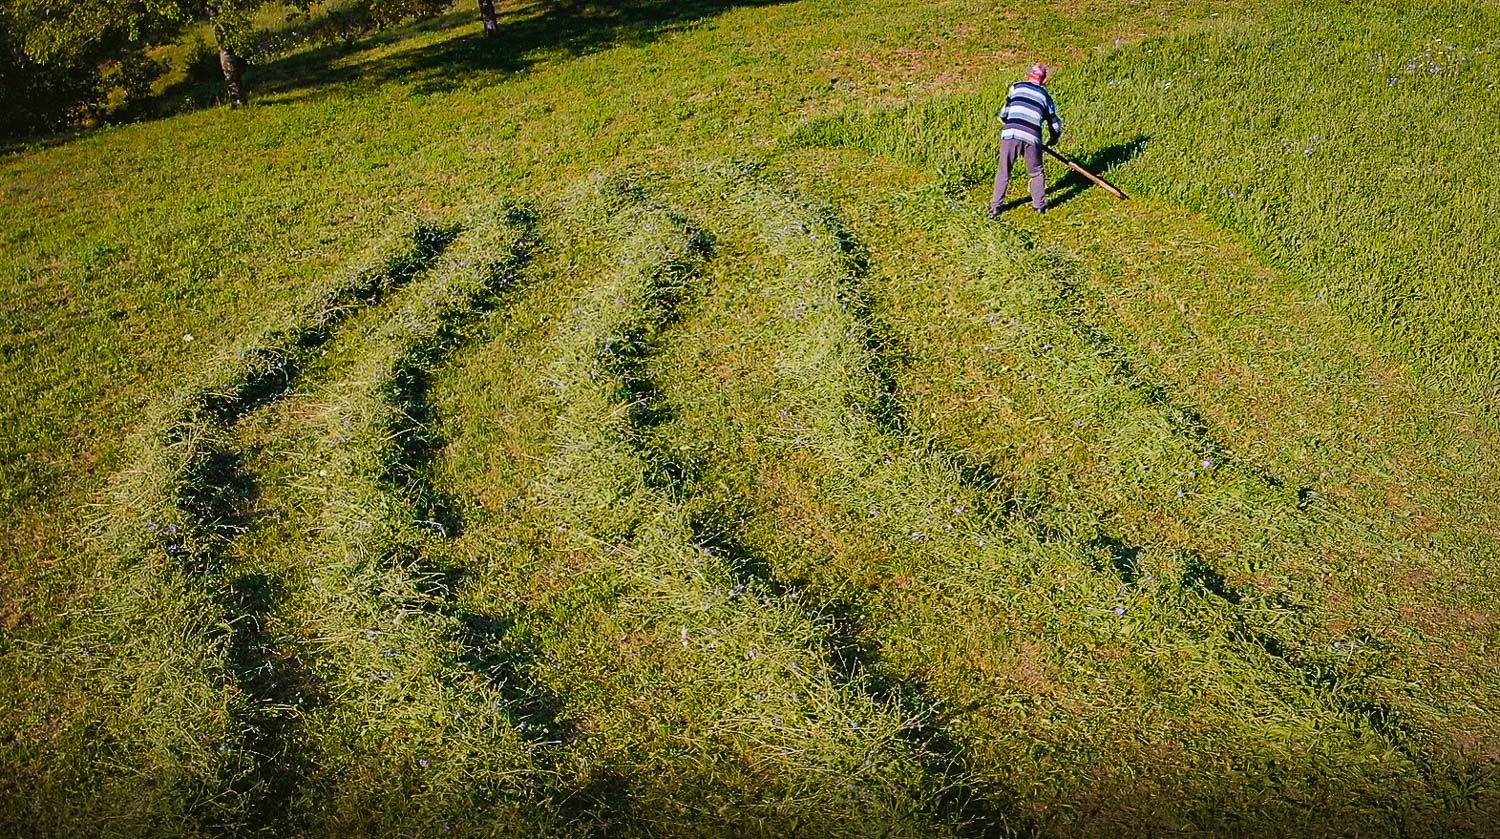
(1245, 514)
(415, 736)
(1045, 340)
(1013, 582)
(1231, 517)
(1041, 377)
(712, 692)
(1306, 587)
(176, 495)
(1398, 521)
(1048, 343)
(175, 723)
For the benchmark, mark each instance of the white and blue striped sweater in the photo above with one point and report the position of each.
(1027, 106)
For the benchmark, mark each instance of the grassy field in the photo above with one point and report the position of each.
(633, 425)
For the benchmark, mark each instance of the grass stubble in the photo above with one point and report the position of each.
(855, 513)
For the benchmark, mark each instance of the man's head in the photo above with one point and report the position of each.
(1038, 73)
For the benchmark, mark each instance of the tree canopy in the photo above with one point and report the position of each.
(62, 63)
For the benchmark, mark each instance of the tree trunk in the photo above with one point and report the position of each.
(234, 75)
(487, 14)
(230, 61)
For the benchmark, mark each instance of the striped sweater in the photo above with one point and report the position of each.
(1027, 106)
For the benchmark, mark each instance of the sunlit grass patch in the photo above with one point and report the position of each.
(782, 494)
(897, 510)
(720, 670)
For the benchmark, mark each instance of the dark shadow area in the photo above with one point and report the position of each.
(1199, 574)
(625, 359)
(1306, 495)
(534, 32)
(1072, 184)
(997, 499)
(281, 689)
(1123, 558)
(41, 141)
(713, 531)
(506, 655)
(217, 496)
(414, 441)
(201, 86)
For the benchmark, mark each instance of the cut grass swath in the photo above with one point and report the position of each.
(905, 482)
(183, 653)
(736, 670)
(380, 619)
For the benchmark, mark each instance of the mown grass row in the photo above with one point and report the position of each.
(741, 691)
(1264, 511)
(943, 529)
(1251, 520)
(191, 692)
(1097, 441)
(1069, 627)
(178, 492)
(1394, 551)
(431, 721)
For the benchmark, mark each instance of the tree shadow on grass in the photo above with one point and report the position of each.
(1072, 184)
(458, 59)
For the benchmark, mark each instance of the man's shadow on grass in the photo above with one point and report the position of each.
(1072, 184)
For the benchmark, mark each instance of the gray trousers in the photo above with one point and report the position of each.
(1009, 151)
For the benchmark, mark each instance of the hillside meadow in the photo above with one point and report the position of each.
(633, 425)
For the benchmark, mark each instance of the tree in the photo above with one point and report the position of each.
(231, 23)
(33, 96)
(62, 47)
(60, 58)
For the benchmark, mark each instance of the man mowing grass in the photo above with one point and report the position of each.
(1028, 106)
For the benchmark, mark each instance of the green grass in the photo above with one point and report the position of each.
(939, 536)
(1309, 131)
(634, 426)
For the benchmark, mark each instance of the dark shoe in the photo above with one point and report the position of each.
(1041, 211)
(993, 213)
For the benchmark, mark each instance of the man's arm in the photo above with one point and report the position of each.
(1054, 121)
